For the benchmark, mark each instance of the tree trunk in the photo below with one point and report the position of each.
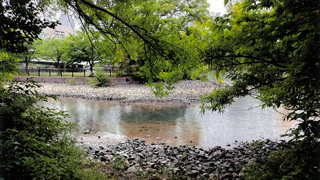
(91, 68)
(27, 64)
(58, 66)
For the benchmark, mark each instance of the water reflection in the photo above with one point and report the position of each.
(173, 123)
(151, 113)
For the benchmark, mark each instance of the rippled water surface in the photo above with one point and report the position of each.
(173, 123)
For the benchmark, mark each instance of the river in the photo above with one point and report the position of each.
(172, 123)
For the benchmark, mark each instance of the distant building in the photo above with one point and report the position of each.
(67, 21)
(66, 28)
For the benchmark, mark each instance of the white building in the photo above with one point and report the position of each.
(66, 28)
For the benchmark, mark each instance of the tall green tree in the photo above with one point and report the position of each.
(84, 48)
(53, 49)
(148, 32)
(270, 50)
(20, 24)
(270, 47)
(171, 23)
(27, 56)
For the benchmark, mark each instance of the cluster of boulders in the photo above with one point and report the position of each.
(185, 92)
(184, 161)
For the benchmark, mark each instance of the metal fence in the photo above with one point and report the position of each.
(62, 72)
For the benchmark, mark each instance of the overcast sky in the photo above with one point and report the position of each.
(217, 6)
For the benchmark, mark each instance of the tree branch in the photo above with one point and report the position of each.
(116, 17)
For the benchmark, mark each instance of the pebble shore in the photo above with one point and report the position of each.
(184, 92)
(186, 162)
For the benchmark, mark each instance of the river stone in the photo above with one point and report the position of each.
(194, 172)
(125, 155)
(141, 155)
(230, 170)
(103, 159)
(179, 156)
(132, 169)
(201, 153)
(175, 170)
(192, 162)
(229, 155)
(150, 170)
(126, 164)
(212, 176)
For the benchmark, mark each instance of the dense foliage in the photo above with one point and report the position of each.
(269, 47)
(154, 36)
(101, 79)
(295, 161)
(7, 67)
(20, 24)
(84, 48)
(270, 50)
(53, 49)
(34, 140)
(27, 55)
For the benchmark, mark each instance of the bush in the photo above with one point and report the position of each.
(120, 74)
(101, 79)
(297, 160)
(72, 81)
(34, 142)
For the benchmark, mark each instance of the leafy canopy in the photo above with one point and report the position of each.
(269, 47)
(84, 48)
(20, 24)
(270, 50)
(53, 49)
(149, 32)
(33, 141)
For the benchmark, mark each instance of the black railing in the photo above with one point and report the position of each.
(73, 72)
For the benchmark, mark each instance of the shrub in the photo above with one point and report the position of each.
(297, 160)
(101, 79)
(72, 81)
(34, 142)
(120, 74)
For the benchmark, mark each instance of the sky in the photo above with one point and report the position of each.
(217, 6)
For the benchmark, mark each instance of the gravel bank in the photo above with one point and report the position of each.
(185, 92)
(186, 162)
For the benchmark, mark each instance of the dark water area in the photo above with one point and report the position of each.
(173, 123)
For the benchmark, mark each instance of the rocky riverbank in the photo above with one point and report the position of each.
(134, 157)
(184, 162)
(185, 92)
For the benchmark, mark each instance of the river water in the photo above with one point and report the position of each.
(173, 123)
